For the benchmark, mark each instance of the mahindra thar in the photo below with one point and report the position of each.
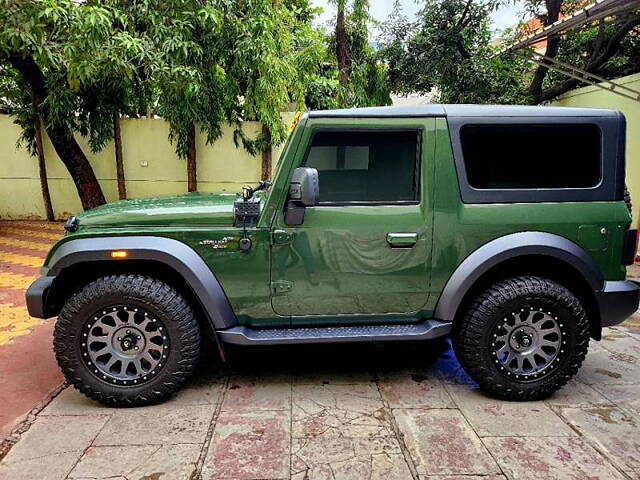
(505, 227)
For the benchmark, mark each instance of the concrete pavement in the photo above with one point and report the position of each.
(359, 411)
(393, 411)
(28, 371)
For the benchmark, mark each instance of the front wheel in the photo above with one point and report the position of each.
(523, 338)
(127, 340)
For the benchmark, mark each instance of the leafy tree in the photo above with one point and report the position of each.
(193, 62)
(448, 48)
(37, 80)
(352, 73)
(610, 48)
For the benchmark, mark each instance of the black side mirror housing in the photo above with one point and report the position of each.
(304, 191)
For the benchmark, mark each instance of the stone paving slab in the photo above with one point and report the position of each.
(137, 462)
(441, 441)
(251, 393)
(604, 367)
(339, 410)
(614, 431)
(348, 458)
(51, 447)
(335, 377)
(394, 412)
(56, 435)
(463, 477)
(414, 390)
(99, 461)
(539, 458)
(576, 394)
(492, 418)
(50, 467)
(626, 397)
(156, 426)
(249, 445)
(71, 402)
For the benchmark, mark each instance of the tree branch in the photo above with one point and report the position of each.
(554, 8)
(61, 136)
(599, 41)
(28, 68)
(608, 51)
(459, 26)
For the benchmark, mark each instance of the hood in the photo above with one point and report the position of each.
(187, 209)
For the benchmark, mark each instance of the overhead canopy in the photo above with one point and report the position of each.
(599, 10)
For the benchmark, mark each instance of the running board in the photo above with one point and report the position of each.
(242, 335)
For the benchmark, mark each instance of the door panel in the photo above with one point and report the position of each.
(340, 262)
(353, 259)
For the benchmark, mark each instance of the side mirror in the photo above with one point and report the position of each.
(304, 191)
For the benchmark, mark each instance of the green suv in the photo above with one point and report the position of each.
(381, 224)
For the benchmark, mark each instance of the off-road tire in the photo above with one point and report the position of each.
(153, 295)
(473, 336)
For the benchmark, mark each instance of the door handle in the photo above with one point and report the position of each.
(402, 240)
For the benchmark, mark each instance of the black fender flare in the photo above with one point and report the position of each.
(173, 253)
(507, 247)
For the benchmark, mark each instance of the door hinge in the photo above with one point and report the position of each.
(282, 237)
(281, 286)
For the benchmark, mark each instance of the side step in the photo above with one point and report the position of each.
(242, 335)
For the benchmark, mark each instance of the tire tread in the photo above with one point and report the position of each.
(166, 299)
(469, 335)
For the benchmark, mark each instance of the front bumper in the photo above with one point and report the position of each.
(618, 301)
(37, 295)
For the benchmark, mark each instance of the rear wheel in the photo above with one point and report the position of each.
(522, 338)
(127, 340)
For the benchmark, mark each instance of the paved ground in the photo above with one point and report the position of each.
(392, 411)
(28, 372)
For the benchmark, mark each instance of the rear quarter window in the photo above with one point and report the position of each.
(521, 157)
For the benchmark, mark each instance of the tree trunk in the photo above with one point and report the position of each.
(44, 184)
(61, 136)
(605, 51)
(554, 8)
(266, 153)
(117, 141)
(78, 165)
(342, 48)
(192, 176)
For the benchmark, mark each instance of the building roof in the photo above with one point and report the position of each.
(437, 110)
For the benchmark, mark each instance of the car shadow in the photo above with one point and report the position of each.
(340, 362)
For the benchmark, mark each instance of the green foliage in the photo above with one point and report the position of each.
(87, 67)
(203, 62)
(448, 48)
(368, 81)
(448, 51)
(574, 48)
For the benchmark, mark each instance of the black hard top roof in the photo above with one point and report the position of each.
(437, 110)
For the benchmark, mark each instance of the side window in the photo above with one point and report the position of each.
(366, 166)
(532, 156)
